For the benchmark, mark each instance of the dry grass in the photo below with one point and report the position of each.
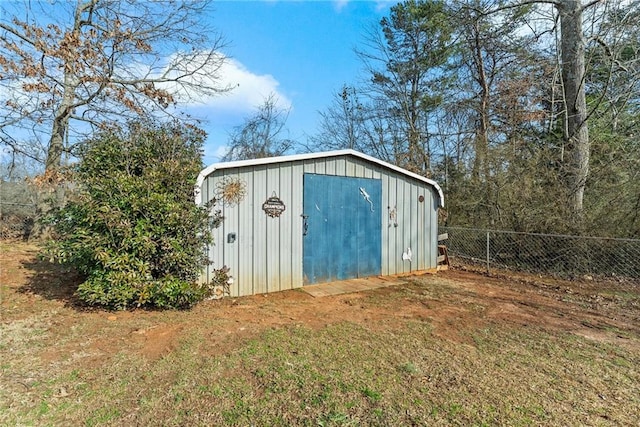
(455, 349)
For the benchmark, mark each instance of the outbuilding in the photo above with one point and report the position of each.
(312, 218)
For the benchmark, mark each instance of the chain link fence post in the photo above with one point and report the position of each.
(488, 254)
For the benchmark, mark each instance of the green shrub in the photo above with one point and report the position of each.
(132, 227)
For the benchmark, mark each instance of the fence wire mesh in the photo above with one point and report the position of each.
(17, 209)
(558, 255)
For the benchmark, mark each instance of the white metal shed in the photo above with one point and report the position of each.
(313, 218)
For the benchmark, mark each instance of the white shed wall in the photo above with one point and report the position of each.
(267, 254)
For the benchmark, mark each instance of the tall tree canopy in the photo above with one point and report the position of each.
(67, 67)
(404, 60)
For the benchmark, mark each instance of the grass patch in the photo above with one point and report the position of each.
(347, 374)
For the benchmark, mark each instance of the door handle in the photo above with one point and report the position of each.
(305, 224)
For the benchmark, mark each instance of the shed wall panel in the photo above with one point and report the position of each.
(418, 227)
(421, 230)
(413, 225)
(341, 166)
(330, 167)
(397, 243)
(294, 256)
(284, 230)
(272, 233)
(320, 166)
(259, 232)
(229, 224)
(244, 247)
(404, 224)
(385, 226)
(350, 168)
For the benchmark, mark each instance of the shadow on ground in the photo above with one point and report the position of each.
(51, 281)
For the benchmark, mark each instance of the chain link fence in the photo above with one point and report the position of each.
(17, 226)
(550, 254)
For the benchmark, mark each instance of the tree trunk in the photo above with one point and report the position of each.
(56, 143)
(65, 109)
(60, 125)
(481, 172)
(573, 79)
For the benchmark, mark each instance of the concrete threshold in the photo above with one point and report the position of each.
(352, 285)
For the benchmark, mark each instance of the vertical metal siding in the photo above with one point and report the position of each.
(244, 245)
(285, 223)
(414, 232)
(433, 230)
(394, 256)
(259, 231)
(294, 256)
(267, 255)
(385, 226)
(341, 166)
(230, 224)
(272, 232)
(422, 228)
(320, 166)
(406, 227)
(330, 167)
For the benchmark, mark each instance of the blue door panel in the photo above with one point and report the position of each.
(343, 228)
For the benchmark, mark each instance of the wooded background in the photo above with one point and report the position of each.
(525, 111)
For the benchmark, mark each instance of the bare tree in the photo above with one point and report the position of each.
(261, 135)
(342, 124)
(67, 67)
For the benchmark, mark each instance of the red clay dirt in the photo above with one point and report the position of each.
(455, 303)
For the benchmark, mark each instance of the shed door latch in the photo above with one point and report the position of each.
(305, 224)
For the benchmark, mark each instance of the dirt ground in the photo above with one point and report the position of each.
(455, 302)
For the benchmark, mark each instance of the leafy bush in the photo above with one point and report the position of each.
(132, 228)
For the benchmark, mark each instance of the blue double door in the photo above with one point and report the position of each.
(342, 228)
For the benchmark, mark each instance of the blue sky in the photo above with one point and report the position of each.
(302, 51)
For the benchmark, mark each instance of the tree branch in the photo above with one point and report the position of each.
(15, 33)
